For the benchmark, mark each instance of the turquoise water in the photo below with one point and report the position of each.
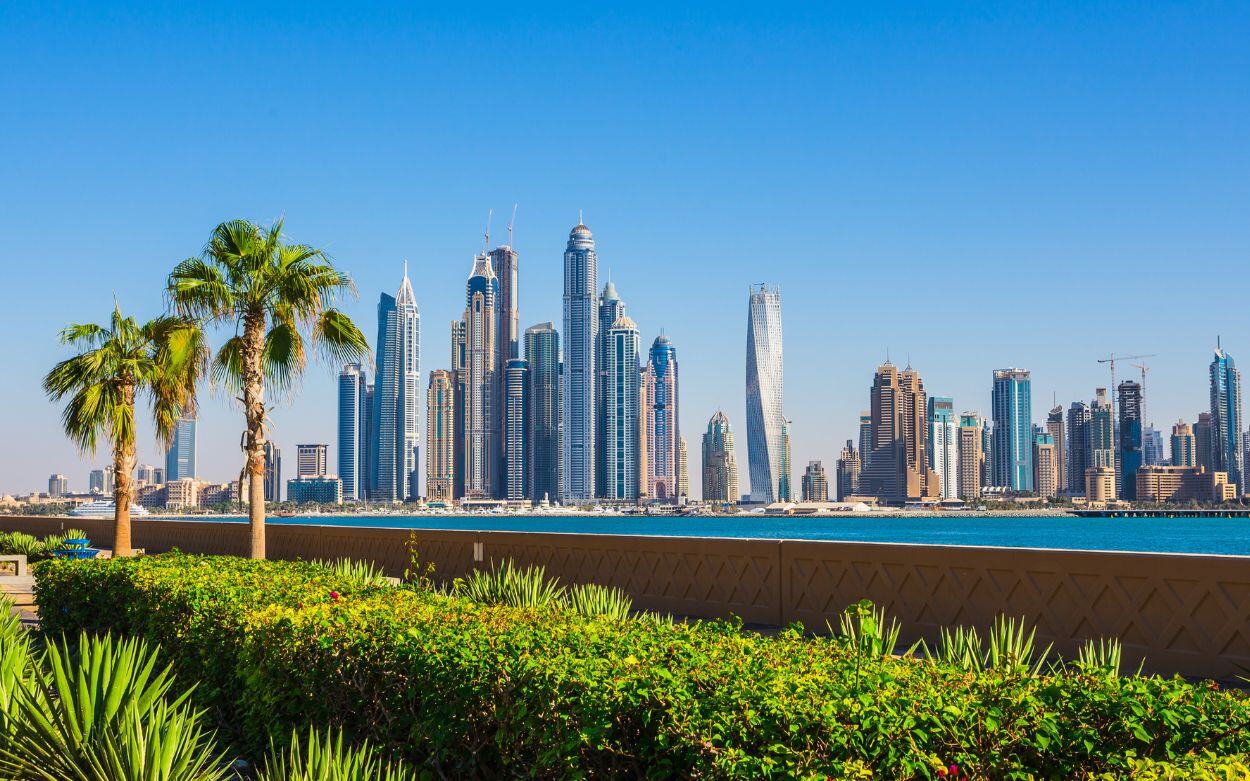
(1164, 535)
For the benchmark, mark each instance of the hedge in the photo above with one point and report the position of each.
(467, 690)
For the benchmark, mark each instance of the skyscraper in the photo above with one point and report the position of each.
(971, 456)
(397, 397)
(58, 485)
(180, 458)
(1101, 433)
(516, 429)
(815, 483)
(310, 460)
(785, 492)
(848, 471)
(662, 431)
(353, 421)
(1130, 396)
(273, 472)
(944, 445)
(1152, 447)
(581, 331)
(481, 450)
(1013, 430)
(898, 469)
(610, 308)
(1183, 447)
(765, 393)
(683, 469)
(865, 437)
(720, 468)
(1054, 427)
(1079, 458)
(440, 436)
(1204, 449)
(623, 385)
(542, 353)
(505, 262)
(1045, 465)
(1226, 454)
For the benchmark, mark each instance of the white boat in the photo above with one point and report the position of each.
(104, 508)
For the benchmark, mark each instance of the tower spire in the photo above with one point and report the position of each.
(489, 214)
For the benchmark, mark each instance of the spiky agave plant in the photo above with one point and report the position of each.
(367, 573)
(507, 584)
(867, 631)
(103, 712)
(1101, 655)
(591, 599)
(961, 647)
(320, 755)
(16, 664)
(1012, 649)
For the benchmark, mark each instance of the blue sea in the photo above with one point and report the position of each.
(1162, 535)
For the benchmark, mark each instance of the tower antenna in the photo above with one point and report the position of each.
(511, 222)
(489, 214)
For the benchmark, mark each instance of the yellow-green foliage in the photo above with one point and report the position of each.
(461, 689)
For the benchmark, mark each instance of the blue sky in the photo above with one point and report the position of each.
(974, 187)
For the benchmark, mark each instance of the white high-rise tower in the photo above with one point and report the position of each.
(766, 419)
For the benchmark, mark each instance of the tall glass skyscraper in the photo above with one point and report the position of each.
(1131, 448)
(663, 433)
(765, 393)
(440, 439)
(353, 422)
(505, 262)
(542, 353)
(397, 397)
(623, 381)
(581, 331)
(516, 429)
(610, 308)
(944, 445)
(180, 458)
(1013, 430)
(481, 448)
(1226, 453)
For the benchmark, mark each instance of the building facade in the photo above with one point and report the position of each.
(609, 309)
(542, 353)
(440, 437)
(1131, 456)
(971, 456)
(58, 485)
(1013, 430)
(898, 468)
(1045, 466)
(180, 457)
(815, 483)
(323, 489)
(848, 471)
(720, 468)
(1160, 484)
(311, 460)
(481, 464)
(395, 450)
(623, 386)
(577, 397)
(1183, 445)
(1226, 452)
(1079, 459)
(944, 445)
(1055, 427)
(662, 428)
(516, 430)
(273, 472)
(765, 391)
(352, 423)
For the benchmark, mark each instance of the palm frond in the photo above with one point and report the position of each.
(227, 366)
(284, 357)
(338, 339)
(198, 288)
(84, 335)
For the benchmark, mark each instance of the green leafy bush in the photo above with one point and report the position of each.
(464, 689)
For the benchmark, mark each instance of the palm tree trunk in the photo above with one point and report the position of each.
(123, 484)
(254, 409)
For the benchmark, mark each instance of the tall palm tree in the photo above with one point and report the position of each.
(162, 359)
(276, 296)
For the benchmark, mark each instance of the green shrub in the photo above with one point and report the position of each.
(464, 689)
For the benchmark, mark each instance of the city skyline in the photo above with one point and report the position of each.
(1064, 144)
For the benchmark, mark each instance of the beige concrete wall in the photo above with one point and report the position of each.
(1182, 613)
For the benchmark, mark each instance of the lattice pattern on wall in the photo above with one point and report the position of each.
(1187, 614)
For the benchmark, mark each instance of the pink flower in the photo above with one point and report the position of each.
(334, 595)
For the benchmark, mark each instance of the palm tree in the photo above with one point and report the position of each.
(162, 358)
(275, 295)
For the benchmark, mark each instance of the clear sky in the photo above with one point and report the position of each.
(967, 186)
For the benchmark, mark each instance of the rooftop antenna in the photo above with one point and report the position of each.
(511, 222)
(405, 268)
(489, 214)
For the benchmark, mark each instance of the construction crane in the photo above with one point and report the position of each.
(1144, 369)
(511, 222)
